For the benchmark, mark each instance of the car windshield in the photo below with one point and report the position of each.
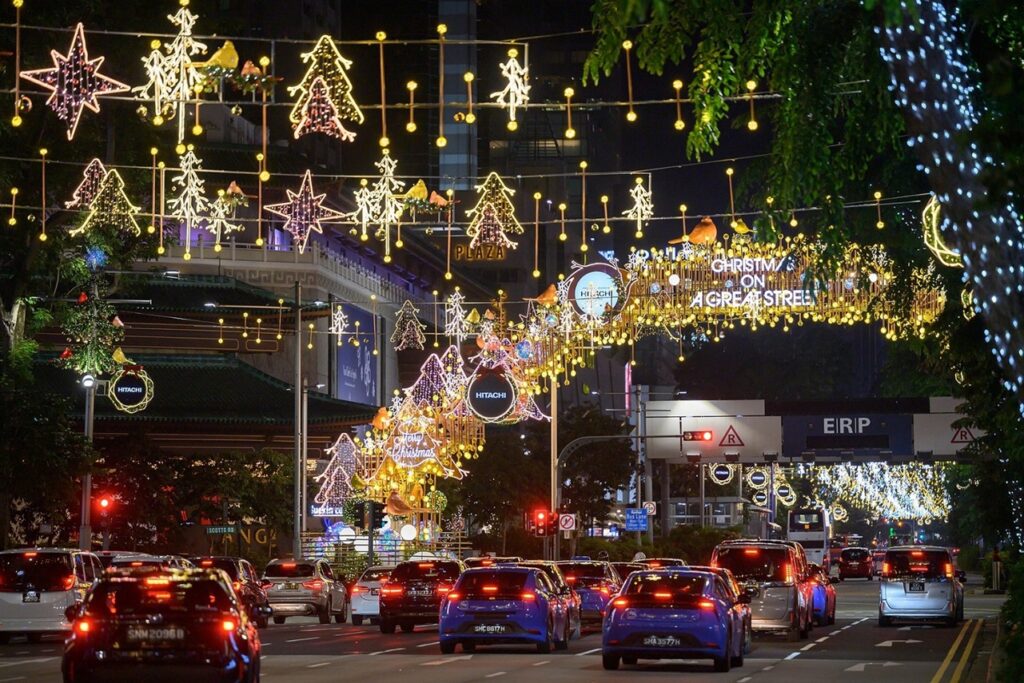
(425, 571)
(40, 571)
(289, 570)
(156, 594)
(225, 563)
(583, 574)
(488, 584)
(925, 564)
(760, 564)
(375, 574)
(855, 554)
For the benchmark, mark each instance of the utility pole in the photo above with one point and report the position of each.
(554, 461)
(304, 451)
(85, 530)
(332, 350)
(299, 466)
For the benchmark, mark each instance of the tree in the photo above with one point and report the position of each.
(327, 65)
(408, 332)
(110, 206)
(496, 194)
(489, 230)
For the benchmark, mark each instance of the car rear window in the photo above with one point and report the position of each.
(855, 554)
(753, 563)
(487, 584)
(375, 575)
(654, 564)
(156, 595)
(41, 571)
(650, 582)
(228, 565)
(927, 564)
(425, 571)
(582, 573)
(289, 569)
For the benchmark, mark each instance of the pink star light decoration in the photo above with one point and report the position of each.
(304, 211)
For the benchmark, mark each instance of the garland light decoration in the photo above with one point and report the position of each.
(365, 211)
(643, 206)
(339, 322)
(111, 207)
(304, 211)
(909, 491)
(191, 206)
(74, 82)
(408, 332)
(494, 214)
(327, 66)
(337, 478)
(222, 215)
(931, 222)
(92, 178)
(173, 76)
(388, 204)
(516, 93)
(456, 327)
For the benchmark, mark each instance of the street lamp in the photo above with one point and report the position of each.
(88, 381)
(91, 384)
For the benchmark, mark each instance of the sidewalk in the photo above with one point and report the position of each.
(987, 656)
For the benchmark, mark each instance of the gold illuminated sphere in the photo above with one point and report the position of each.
(264, 176)
(154, 44)
(384, 141)
(197, 129)
(639, 234)
(677, 84)
(468, 77)
(16, 120)
(150, 229)
(793, 221)
(536, 195)
(158, 120)
(387, 258)
(442, 29)
(187, 256)
(512, 125)
(180, 149)
(536, 273)
(12, 221)
(878, 195)
(153, 151)
(880, 224)
(14, 191)
(42, 237)
(441, 141)
(364, 237)
(513, 53)
(470, 117)
(570, 133)
(627, 45)
(751, 85)
(583, 164)
(160, 250)
(729, 171)
(631, 116)
(448, 276)
(563, 237)
(380, 35)
(411, 127)
(411, 85)
(43, 152)
(562, 206)
(264, 61)
(752, 124)
(259, 241)
(679, 124)
(638, 181)
(583, 248)
(217, 247)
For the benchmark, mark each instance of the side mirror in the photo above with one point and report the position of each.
(71, 612)
(265, 611)
(961, 575)
(744, 598)
(751, 593)
(834, 579)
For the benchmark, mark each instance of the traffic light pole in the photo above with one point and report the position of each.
(85, 530)
(299, 465)
(555, 484)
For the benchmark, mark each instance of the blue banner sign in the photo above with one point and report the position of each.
(868, 434)
(636, 519)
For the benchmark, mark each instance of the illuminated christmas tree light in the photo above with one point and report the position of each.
(327, 66)
(408, 332)
(111, 207)
(516, 93)
(92, 177)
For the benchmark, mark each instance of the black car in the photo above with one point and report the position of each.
(174, 625)
(244, 580)
(412, 594)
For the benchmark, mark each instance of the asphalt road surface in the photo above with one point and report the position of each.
(854, 650)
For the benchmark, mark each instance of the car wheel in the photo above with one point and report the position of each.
(805, 630)
(342, 616)
(549, 640)
(447, 647)
(629, 661)
(468, 646)
(5, 638)
(610, 662)
(723, 664)
(34, 637)
(387, 626)
(883, 620)
(407, 627)
(325, 613)
(278, 620)
(357, 620)
(563, 643)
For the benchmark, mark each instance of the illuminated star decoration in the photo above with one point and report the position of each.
(304, 211)
(74, 82)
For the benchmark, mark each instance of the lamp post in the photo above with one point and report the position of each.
(85, 530)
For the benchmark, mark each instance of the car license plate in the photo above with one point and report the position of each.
(855, 564)
(30, 596)
(915, 587)
(662, 641)
(291, 586)
(422, 593)
(374, 591)
(150, 634)
(490, 628)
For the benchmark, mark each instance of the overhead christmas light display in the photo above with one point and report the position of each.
(643, 206)
(330, 104)
(190, 206)
(110, 207)
(74, 82)
(494, 214)
(92, 177)
(336, 481)
(931, 223)
(910, 491)
(408, 332)
(304, 212)
(516, 93)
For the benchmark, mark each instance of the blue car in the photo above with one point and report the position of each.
(497, 605)
(675, 614)
(595, 582)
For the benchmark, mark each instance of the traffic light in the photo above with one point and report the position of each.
(699, 435)
(552, 521)
(376, 513)
(105, 504)
(540, 522)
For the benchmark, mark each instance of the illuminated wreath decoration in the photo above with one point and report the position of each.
(147, 382)
(722, 474)
(757, 478)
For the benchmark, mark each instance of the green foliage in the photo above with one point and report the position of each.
(1013, 643)
(690, 543)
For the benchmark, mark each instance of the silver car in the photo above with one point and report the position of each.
(920, 582)
(298, 588)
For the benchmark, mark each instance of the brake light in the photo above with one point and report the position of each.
(654, 565)
(714, 564)
(787, 570)
(751, 551)
(620, 602)
(454, 596)
(527, 596)
(443, 589)
(487, 563)
(570, 579)
(161, 596)
(358, 589)
(886, 569)
(228, 625)
(706, 605)
(69, 582)
(30, 554)
(287, 565)
(83, 626)
(136, 563)
(391, 590)
(490, 589)
(949, 570)
(425, 565)
(663, 595)
(206, 563)
(314, 585)
(157, 581)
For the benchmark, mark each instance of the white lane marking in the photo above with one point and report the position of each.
(768, 668)
(317, 665)
(836, 632)
(860, 621)
(43, 660)
(301, 640)
(384, 652)
(13, 678)
(807, 647)
(792, 655)
(436, 642)
(821, 640)
(495, 675)
(439, 662)
(588, 652)
(546, 661)
(744, 679)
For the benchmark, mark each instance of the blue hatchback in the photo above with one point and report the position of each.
(674, 614)
(498, 605)
(595, 582)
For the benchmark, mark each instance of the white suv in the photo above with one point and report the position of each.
(920, 582)
(38, 584)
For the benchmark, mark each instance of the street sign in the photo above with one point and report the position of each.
(860, 434)
(651, 508)
(636, 519)
(220, 530)
(130, 389)
(567, 522)
(759, 498)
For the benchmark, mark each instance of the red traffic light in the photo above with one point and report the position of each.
(701, 435)
(105, 503)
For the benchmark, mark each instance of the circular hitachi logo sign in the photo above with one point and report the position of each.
(130, 391)
(491, 395)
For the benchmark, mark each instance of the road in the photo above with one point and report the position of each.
(854, 650)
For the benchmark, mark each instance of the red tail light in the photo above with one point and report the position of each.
(886, 569)
(454, 596)
(152, 581)
(69, 582)
(391, 590)
(787, 572)
(751, 551)
(706, 605)
(570, 579)
(620, 602)
(948, 570)
(490, 589)
(83, 626)
(314, 585)
(228, 625)
(206, 563)
(443, 589)
(527, 596)
(663, 595)
(358, 589)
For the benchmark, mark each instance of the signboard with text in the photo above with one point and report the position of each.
(859, 434)
(636, 519)
(358, 369)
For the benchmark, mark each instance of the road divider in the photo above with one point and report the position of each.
(952, 652)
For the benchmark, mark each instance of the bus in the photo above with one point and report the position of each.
(811, 528)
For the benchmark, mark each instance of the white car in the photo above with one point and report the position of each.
(366, 594)
(38, 584)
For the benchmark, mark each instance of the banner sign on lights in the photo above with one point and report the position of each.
(130, 389)
(491, 394)
(595, 292)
